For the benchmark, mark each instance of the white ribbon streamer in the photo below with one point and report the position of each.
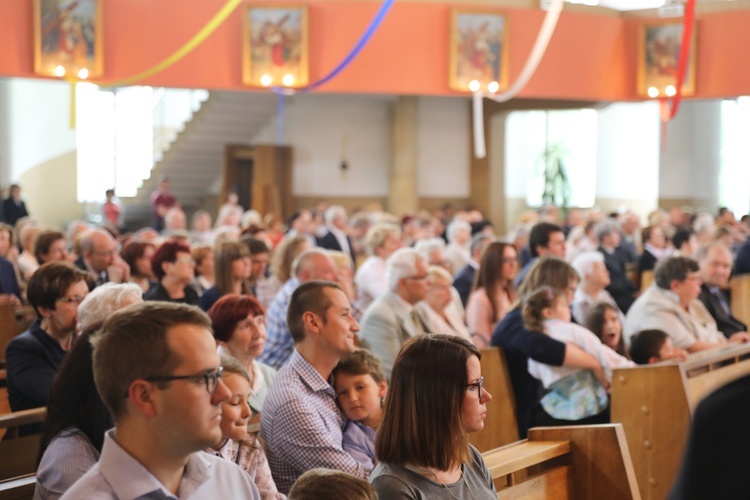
(537, 52)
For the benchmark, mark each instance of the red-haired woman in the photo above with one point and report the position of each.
(240, 330)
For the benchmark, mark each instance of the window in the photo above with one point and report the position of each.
(734, 173)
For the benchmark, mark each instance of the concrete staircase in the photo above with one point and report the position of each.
(194, 160)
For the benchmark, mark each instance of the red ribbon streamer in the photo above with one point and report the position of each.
(667, 112)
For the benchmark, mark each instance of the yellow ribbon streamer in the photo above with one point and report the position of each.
(183, 51)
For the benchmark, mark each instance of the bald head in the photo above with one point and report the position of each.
(99, 249)
(314, 264)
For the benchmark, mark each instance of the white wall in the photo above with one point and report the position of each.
(317, 126)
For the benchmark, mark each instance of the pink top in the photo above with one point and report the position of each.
(479, 315)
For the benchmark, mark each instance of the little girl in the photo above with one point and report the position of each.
(571, 394)
(360, 390)
(236, 443)
(604, 320)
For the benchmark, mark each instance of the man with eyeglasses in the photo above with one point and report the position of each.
(99, 257)
(157, 370)
(391, 320)
(55, 290)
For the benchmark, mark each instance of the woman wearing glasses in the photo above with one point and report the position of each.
(173, 266)
(240, 330)
(423, 448)
(493, 293)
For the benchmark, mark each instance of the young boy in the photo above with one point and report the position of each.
(360, 390)
(653, 346)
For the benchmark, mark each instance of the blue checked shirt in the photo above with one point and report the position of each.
(301, 425)
(279, 345)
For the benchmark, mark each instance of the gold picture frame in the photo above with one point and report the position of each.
(274, 46)
(478, 50)
(68, 38)
(659, 45)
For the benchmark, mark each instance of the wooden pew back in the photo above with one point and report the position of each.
(655, 404)
(740, 286)
(13, 321)
(18, 455)
(500, 426)
(581, 462)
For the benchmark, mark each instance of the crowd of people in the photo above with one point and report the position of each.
(337, 350)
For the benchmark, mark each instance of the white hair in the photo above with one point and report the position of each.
(299, 263)
(251, 217)
(704, 223)
(104, 300)
(426, 247)
(604, 228)
(584, 263)
(333, 212)
(401, 264)
(455, 227)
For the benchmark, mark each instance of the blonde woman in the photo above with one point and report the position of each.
(435, 310)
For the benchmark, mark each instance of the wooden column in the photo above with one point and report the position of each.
(402, 183)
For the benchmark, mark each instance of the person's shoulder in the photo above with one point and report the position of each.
(24, 342)
(390, 481)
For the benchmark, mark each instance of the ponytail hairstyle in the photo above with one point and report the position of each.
(534, 304)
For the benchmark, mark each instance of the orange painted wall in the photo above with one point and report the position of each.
(591, 56)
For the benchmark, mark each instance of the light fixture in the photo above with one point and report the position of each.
(266, 80)
(670, 90)
(653, 92)
(493, 87)
(474, 85)
(288, 80)
(83, 74)
(59, 71)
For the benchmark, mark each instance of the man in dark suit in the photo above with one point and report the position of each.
(100, 258)
(464, 279)
(337, 238)
(715, 261)
(742, 262)
(13, 206)
(620, 287)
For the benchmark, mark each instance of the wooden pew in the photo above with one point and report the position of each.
(4, 403)
(655, 404)
(18, 488)
(13, 321)
(647, 277)
(740, 286)
(18, 455)
(581, 462)
(500, 426)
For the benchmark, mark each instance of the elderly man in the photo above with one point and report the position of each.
(671, 304)
(620, 287)
(464, 279)
(175, 222)
(99, 257)
(545, 240)
(591, 289)
(337, 237)
(301, 425)
(313, 264)
(458, 251)
(391, 319)
(166, 403)
(715, 261)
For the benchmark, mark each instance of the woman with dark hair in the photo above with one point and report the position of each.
(520, 344)
(240, 330)
(493, 292)
(231, 271)
(137, 255)
(436, 398)
(51, 246)
(173, 266)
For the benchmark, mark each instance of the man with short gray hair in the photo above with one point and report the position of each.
(312, 264)
(715, 262)
(620, 287)
(391, 319)
(337, 237)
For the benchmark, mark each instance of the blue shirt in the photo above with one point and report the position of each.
(119, 475)
(279, 345)
(359, 442)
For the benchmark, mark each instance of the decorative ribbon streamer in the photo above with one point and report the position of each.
(668, 113)
(280, 120)
(183, 51)
(537, 52)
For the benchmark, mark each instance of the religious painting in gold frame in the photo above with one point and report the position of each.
(659, 45)
(274, 46)
(68, 38)
(478, 50)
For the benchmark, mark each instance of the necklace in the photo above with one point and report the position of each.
(434, 474)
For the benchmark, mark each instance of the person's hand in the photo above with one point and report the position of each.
(9, 298)
(119, 271)
(601, 377)
(740, 337)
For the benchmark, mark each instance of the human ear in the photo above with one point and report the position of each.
(547, 312)
(311, 320)
(141, 394)
(382, 388)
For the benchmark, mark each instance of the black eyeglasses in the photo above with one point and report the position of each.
(210, 378)
(479, 384)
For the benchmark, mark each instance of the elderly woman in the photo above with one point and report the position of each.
(27, 263)
(240, 330)
(173, 267)
(591, 289)
(281, 268)
(493, 292)
(51, 246)
(342, 264)
(437, 380)
(205, 268)
(381, 241)
(232, 270)
(73, 429)
(435, 310)
(137, 255)
(458, 253)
